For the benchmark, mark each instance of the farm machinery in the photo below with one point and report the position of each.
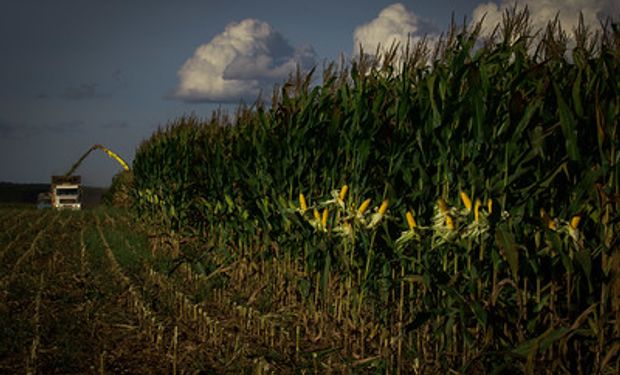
(65, 190)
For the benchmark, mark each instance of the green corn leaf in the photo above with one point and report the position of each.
(568, 124)
(481, 314)
(506, 242)
(577, 95)
(418, 321)
(585, 261)
(542, 342)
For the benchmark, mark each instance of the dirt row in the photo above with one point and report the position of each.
(80, 293)
(241, 337)
(61, 311)
(210, 338)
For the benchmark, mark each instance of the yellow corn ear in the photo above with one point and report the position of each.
(574, 221)
(547, 221)
(449, 222)
(343, 192)
(552, 225)
(466, 200)
(364, 206)
(490, 205)
(317, 216)
(410, 220)
(477, 209)
(302, 202)
(324, 219)
(442, 205)
(384, 207)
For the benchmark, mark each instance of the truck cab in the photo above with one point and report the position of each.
(66, 192)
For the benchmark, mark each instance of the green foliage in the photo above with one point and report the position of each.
(120, 192)
(508, 120)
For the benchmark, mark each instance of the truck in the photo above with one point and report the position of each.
(66, 192)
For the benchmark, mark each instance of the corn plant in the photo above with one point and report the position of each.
(499, 160)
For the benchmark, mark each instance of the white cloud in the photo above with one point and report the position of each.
(543, 11)
(249, 56)
(393, 24)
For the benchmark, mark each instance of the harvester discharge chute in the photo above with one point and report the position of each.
(110, 153)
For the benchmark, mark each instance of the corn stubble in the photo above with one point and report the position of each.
(453, 210)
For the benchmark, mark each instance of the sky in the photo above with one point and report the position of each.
(74, 73)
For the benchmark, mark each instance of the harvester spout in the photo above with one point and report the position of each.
(110, 153)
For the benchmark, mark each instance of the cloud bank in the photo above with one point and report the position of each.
(393, 24)
(543, 11)
(245, 59)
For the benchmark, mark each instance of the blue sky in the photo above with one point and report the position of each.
(79, 72)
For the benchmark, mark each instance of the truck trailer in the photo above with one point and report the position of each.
(66, 192)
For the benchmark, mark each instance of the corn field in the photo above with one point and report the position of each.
(451, 209)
